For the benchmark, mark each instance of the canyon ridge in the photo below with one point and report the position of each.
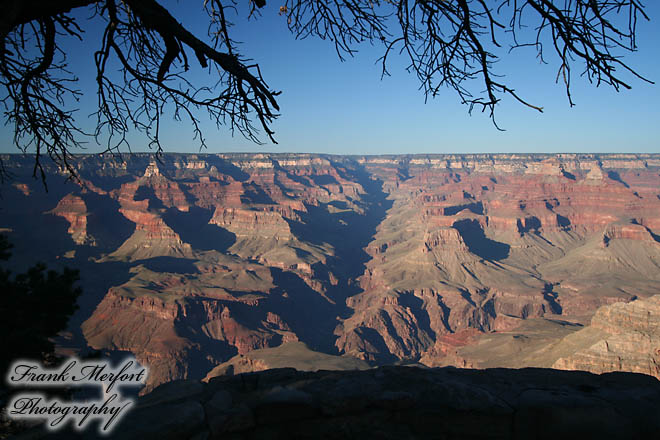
(206, 265)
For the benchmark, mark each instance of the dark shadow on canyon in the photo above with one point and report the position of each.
(323, 179)
(105, 224)
(563, 222)
(145, 192)
(381, 353)
(617, 178)
(111, 179)
(170, 265)
(36, 233)
(568, 175)
(551, 297)
(194, 228)
(528, 224)
(292, 300)
(348, 232)
(95, 280)
(477, 242)
(475, 208)
(225, 167)
(416, 307)
(656, 237)
(291, 176)
(255, 194)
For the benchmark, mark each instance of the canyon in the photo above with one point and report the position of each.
(205, 265)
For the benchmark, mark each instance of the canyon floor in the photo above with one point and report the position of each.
(209, 265)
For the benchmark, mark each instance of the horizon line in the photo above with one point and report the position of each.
(131, 153)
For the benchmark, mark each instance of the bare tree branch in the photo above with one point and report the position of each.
(451, 44)
(447, 41)
(150, 46)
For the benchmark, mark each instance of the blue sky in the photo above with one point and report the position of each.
(328, 106)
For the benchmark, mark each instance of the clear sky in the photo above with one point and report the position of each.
(328, 106)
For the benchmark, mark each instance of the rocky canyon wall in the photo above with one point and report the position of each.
(191, 260)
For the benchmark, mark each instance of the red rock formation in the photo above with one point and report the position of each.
(384, 258)
(538, 212)
(628, 232)
(151, 316)
(252, 223)
(622, 337)
(73, 209)
(152, 236)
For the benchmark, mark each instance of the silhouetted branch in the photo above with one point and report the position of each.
(448, 43)
(150, 46)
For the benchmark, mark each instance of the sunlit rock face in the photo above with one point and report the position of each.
(621, 337)
(191, 260)
(73, 209)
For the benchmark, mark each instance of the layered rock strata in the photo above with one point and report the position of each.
(73, 209)
(202, 258)
(627, 338)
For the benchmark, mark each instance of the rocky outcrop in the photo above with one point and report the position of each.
(180, 325)
(73, 209)
(628, 340)
(152, 237)
(167, 192)
(245, 222)
(628, 232)
(291, 354)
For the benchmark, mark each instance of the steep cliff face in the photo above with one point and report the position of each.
(379, 258)
(250, 223)
(140, 202)
(257, 274)
(628, 339)
(184, 324)
(468, 244)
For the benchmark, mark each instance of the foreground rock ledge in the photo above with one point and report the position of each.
(401, 403)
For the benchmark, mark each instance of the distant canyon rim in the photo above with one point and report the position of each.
(216, 264)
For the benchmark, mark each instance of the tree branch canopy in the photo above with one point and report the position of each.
(451, 44)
